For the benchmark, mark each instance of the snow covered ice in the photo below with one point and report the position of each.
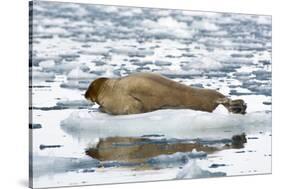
(73, 44)
(170, 123)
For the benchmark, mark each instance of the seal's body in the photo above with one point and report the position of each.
(145, 92)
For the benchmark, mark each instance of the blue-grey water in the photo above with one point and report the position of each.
(73, 44)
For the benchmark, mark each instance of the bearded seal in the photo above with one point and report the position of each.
(146, 92)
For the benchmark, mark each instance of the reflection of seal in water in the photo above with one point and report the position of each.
(145, 92)
(139, 149)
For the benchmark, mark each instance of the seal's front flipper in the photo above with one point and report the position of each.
(235, 106)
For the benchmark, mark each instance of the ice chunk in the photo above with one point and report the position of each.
(162, 63)
(73, 103)
(166, 27)
(178, 157)
(204, 25)
(80, 74)
(203, 64)
(47, 64)
(74, 84)
(171, 123)
(131, 51)
(221, 110)
(192, 170)
(42, 75)
(42, 165)
(262, 75)
(62, 67)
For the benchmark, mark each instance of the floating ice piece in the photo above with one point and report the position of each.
(166, 27)
(58, 68)
(247, 74)
(182, 123)
(66, 104)
(203, 64)
(84, 68)
(178, 157)
(69, 55)
(80, 74)
(74, 84)
(94, 52)
(258, 87)
(262, 75)
(204, 25)
(42, 75)
(176, 74)
(239, 55)
(47, 64)
(131, 51)
(198, 85)
(192, 170)
(215, 74)
(192, 72)
(73, 103)
(162, 63)
(42, 165)
(266, 20)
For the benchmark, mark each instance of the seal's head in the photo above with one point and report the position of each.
(94, 89)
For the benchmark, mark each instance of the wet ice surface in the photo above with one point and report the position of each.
(74, 44)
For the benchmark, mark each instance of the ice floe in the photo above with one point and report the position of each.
(36, 74)
(76, 84)
(203, 64)
(170, 123)
(178, 157)
(166, 27)
(79, 74)
(203, 25)
(131, 51)
(60, 68)
(193, 170)
(73, 103)
(46, 165)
